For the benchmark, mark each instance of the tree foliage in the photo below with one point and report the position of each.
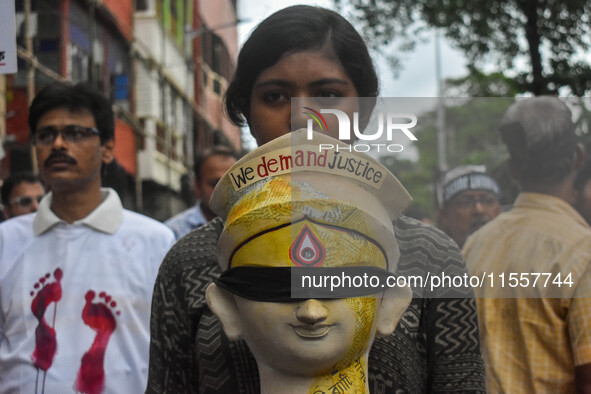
(550, 35)
(471, 129)
(479, 84)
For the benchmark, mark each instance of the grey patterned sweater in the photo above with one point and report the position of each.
(435, 347)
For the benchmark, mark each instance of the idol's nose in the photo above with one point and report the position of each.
(311, 311)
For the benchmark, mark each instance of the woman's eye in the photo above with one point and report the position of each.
(328, 93)
(328, 98)
(275, 97)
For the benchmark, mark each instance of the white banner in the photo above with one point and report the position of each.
(7, 37)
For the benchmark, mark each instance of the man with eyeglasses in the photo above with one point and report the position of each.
(76, 278)
(21, 193)
(470, 199)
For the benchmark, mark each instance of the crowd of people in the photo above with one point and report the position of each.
(95, 298)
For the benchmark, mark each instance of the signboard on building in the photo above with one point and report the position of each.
(7, 38)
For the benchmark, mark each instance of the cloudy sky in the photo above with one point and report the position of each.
(417, 79)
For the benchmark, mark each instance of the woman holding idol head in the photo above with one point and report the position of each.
(310, 52)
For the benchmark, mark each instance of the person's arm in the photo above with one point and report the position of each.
(170, 332)
(453, 346)
(177, 306)
(449, 320)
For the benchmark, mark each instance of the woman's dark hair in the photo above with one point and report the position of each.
(74, 98)
(295, 29)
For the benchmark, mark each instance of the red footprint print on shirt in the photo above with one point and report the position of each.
(98, 316)
(45, 342)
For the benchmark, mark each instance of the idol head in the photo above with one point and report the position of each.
(289, 209)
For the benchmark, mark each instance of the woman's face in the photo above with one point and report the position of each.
(300, 74)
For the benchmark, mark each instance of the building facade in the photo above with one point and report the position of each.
(162, 63)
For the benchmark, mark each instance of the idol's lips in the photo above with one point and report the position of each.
(312, 332)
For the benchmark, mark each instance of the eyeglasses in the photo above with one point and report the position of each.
(466, 202)
(71, 133)
(25, 201)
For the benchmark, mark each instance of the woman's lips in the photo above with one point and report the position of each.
(312, 332)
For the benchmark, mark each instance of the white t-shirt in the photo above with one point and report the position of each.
(75, 299)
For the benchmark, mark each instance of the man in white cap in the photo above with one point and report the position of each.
(470, 199)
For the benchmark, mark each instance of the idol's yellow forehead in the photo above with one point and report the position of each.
(309, 244)
(266, 210)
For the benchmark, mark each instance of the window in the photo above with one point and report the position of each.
(142, 5)
(160, 139)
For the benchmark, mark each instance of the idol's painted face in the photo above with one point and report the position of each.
(300, 74)
(310, 337)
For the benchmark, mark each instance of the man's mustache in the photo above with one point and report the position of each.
(59, 157)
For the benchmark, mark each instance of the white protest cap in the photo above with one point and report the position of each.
(287, 200)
